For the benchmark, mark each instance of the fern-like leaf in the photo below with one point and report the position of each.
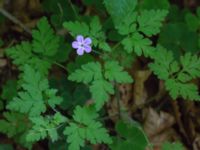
(120, 9)
(44, 127)
(177, 75)
(101, 89)
(162, 61)
(76, 28)
(93, 30)
(44, 40)
(188, 91)
(85, 127)
(172, 146)
(32, 99)
(150, 21)
(130, 137)
(114, 72)
(14, 124)
(23, 54)
(191, 65)
(137, 43)
(88, 72)
(20, 53)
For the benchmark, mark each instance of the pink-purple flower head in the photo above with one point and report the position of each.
(82, 45)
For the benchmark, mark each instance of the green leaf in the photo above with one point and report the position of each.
(128, 44)
(174, 36)
(35, 94)
(177, 75)
(150, 21)
(44, 40)
(120, 9)
(53, 100)
(155, 4)
(38, 131)
(63, 52)
(114, 36)
(100, 90)
(176, 14)
(163, 60)
(72, 93)
(9, 90)
(187, 91)
(104, 46)
(96, 30)
(22, 54)
(88, 72)
(114, 72)
(14, 124)
(57, 145)
(198, 11)
(45, 126)
(85, 127)
(191, 65)
(123, 57)
(97, 35)
(93, 30)
(192, 21)
(123, 15)
(77, 28)
(79, 61)
(128, 25)
(1, 105)
(130, 138)
(6, 147)
(1, 43)
(137, 43)
(59, 10)
(172, 146)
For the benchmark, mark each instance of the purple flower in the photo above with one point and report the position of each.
(82, 44)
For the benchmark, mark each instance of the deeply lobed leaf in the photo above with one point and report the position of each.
(32, 99)
(150, 21)
(114, 72)
(44, 40)
(87, 128)
(177, 74)
(88, 72)
(44, 127)
(101, 90)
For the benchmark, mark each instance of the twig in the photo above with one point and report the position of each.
(15, 20)
(60, 65)
(74, 10)
(178, 119)
(117, 96)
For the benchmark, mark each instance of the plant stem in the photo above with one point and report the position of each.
(116, 45)
(97, 52)
(15, 20)
(117, 96)
(74, 10)
(60, 65)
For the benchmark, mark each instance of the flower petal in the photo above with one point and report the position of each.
(87, 48)
(88, 41)
(75, 44)
(80, 38)
(80, 51)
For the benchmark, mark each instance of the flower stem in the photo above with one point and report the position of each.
(74, 10)
(60, 65)
(97, 52)
(117, 96)
(116, 45)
